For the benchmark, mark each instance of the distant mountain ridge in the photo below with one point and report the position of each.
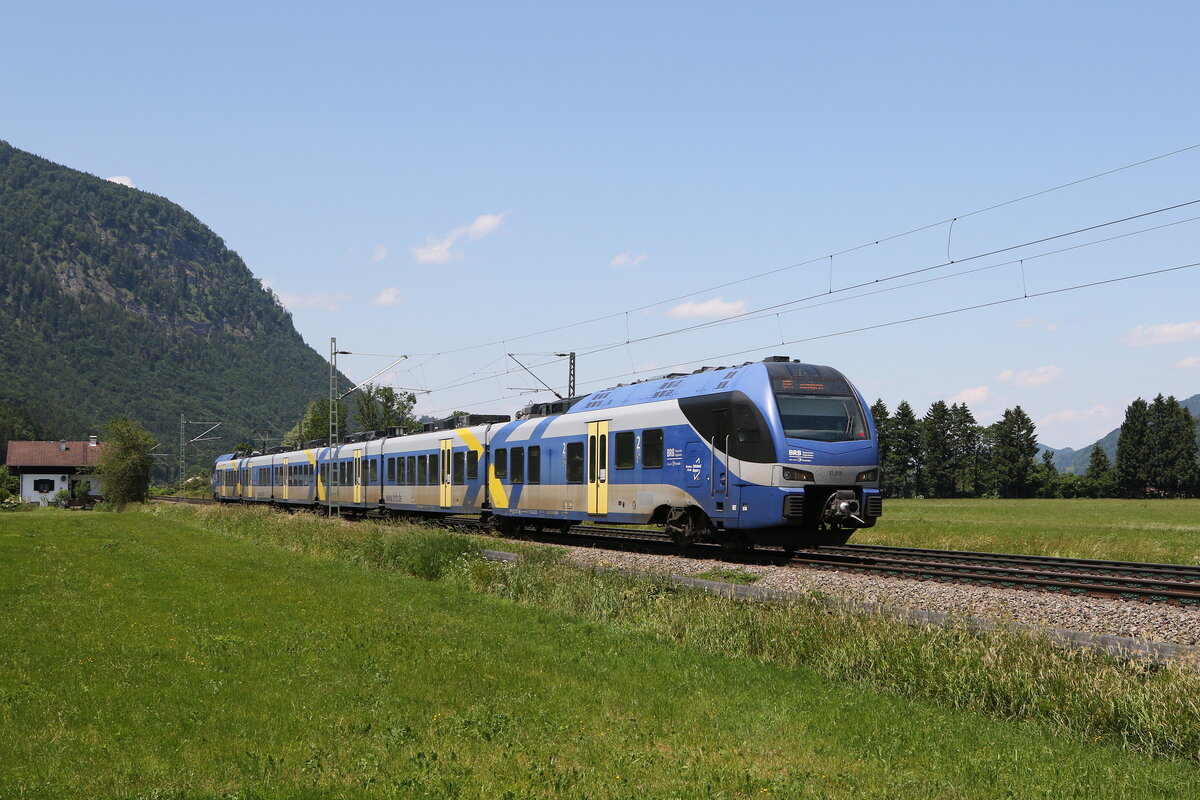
(1076, 461)
(114, 301)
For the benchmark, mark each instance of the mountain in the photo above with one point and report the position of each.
(1076, 461)
(116, 302)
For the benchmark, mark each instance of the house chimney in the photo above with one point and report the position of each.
(62, 444)
(91, 441)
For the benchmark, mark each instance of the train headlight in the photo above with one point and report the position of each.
(869, 475)
(790, 474)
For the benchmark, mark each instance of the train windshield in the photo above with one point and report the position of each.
(821, 418)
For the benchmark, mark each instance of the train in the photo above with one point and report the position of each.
(778, 452)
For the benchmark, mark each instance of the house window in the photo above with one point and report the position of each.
(44, 485)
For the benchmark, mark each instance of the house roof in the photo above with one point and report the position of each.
(52, 454)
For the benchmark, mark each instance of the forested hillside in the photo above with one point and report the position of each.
(1076, 461)
(115, 302)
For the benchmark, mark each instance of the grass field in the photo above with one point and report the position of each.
(1166, 531)
(196, 653)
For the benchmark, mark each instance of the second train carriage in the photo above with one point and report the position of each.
(775, 452)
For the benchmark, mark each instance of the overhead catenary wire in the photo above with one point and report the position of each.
(845, 251)
(893, 323)
(777, 308)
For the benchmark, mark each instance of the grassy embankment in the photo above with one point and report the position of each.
(186, 652)
(1166, 531)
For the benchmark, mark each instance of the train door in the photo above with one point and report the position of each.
(287, 478)
(722, 476)
(358, 476)
(444, 473)
(597, 462)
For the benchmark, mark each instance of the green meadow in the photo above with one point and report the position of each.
(1163, 531)
(238, 653)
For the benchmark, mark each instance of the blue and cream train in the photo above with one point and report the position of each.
(774, 452)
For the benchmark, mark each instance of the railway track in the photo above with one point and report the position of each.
(1124, 580)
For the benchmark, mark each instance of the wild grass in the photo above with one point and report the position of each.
(237, 653)
(1164, 531)
(1003, 674)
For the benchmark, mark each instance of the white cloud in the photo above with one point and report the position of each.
(969, 396)
(379, 253)
(437, 250)
(1031, 377)
(1188, 363)
(391, 296)
(124, 180)
(1167, 333)
(1037, 322)
(717, 307)
(627, 259)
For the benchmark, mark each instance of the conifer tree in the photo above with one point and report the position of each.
(937, 454)
(1099, 474)
(1134, 451)
(1013, 452)
(883, 436)
(964, 442)
(905, 452)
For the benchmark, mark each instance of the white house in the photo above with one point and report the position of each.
(47, 467)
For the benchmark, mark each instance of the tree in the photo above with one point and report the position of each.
(314, 425)
(1047, 476)
(125, 461)
(883, 436)
(1014, 449)
(937, 454)
(9, 484)
(377, 408)
(964, 443)
(903, 458)
(1134, 451)
(1099, 474)
(1173, 447)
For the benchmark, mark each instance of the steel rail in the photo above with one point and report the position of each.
(1132, 568)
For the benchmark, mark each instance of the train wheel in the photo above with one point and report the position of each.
(686, 526)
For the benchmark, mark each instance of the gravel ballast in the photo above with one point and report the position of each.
(1156, 622)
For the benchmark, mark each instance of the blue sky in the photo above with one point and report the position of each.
(443, 179)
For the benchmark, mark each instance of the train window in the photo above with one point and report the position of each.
(422, 469)
(534, 471)
(500, 461)
(652, 449)
(574, 462)
(391, 470)
(434, 475)
(517, 465)
(374, 477)
(623, 450)
(411, 478)
(472, 466)
(821, 419)
(459, 470)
